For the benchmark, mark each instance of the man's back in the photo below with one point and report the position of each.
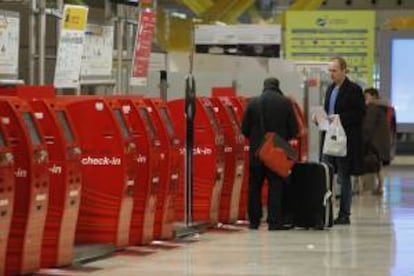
(278, 116)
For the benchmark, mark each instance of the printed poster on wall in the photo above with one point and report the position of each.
(9, 43)
(97, 51)
(70, 49)
(142, 50)
(320, 35)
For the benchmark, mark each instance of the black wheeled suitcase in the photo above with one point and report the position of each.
(310, 193)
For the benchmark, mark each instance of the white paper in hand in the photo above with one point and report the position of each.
(321, 118)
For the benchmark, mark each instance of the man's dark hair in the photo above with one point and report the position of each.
(373, 92)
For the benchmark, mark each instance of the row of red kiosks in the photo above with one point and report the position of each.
(129, 167)
(219, 160)
(158, 167)
(208, 160)
(87, 170)
(129, 170)
(107, 170)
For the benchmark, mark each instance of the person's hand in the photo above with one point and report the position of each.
(332, 117)
(313, 118)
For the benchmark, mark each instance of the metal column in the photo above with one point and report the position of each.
(32, 40)
(130, 40)
(42, 40)
(120, 49)
(59, 7)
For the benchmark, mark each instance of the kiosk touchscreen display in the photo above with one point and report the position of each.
(67, 131)
(232, 115)
(210, 114)
(2, 143)
(31, 127)
(167, 121)
(121, 121)
(146, 117)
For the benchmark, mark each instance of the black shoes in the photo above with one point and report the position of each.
(276, 227)
(254, 226)
(271, 227)
(342, 221)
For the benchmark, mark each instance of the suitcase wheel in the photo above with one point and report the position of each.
(319, 227)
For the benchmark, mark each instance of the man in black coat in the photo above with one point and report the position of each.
(279, 117)
(346, 99)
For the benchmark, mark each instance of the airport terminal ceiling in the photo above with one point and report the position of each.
(266, 4)
(265, 7)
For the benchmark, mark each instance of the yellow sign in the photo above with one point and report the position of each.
(75, 18)
(320, 35)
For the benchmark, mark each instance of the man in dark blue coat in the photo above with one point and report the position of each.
(278, 116)
(346, 99)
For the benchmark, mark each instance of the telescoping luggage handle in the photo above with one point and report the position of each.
(328, 195)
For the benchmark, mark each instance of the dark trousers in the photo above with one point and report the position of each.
(258, 173)
(344, 180)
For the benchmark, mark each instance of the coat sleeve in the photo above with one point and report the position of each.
(246, 122)
(370, 123)
(327, 97)
(292, 125)
(355, 111)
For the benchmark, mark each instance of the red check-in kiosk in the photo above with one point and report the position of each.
(234, 159)
(108, 170)
(239, 105)
(148, 143)
(64, 173)
(7, 187)
(65, 182)
(208, 154)
(32, 184)
(170, 166)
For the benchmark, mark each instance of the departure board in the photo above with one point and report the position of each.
(320, 35)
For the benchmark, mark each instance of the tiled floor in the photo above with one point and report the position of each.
(380, 241)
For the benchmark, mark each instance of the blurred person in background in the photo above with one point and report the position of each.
(376, 138)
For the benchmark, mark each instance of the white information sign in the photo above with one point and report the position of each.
(97, 51)
(9, 43)
(237, 34)
(70, 49)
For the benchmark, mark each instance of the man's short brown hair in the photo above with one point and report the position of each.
(341, 61)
